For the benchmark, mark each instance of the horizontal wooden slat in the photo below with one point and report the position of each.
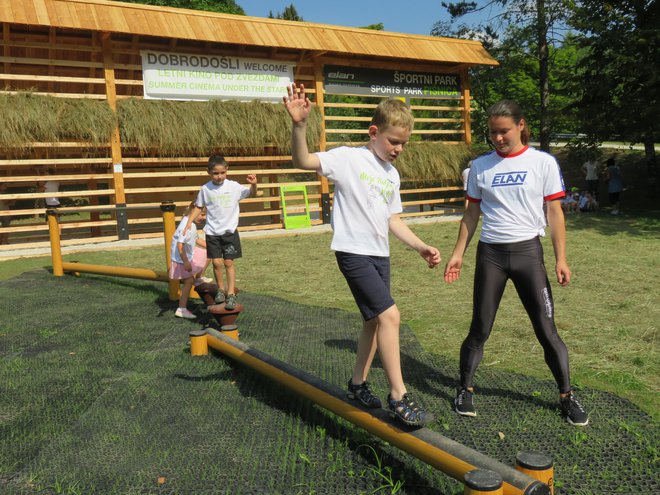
(59, 178)
(67, 79)
(54, 161)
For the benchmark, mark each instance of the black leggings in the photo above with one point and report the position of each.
(521, 262)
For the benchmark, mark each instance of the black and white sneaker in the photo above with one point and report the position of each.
(409, 411)
(464, 403)
(364, 394)
(573, 410)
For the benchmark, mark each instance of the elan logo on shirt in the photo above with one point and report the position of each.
(509, 179)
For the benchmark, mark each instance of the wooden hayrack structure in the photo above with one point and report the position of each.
(91, 49)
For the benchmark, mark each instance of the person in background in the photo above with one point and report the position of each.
(614, 185)
(188, 255)
(464, 175)
(590, 169)
(220, 196)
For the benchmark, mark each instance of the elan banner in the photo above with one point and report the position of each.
(395, 83)
(183, 76)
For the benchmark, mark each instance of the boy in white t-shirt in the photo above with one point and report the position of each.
(366, 208)
(220, 197)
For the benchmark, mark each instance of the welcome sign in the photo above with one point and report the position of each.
(184, 76)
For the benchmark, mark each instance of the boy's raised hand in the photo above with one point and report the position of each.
(251, 179)
(297, 104)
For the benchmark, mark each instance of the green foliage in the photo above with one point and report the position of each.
(222, 6)
(289, 14)
(29, 118)
(522, 35)
(376, 27)
(191, 127)
(619, 87)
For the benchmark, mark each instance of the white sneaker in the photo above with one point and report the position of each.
(202, 280)
(184, 313)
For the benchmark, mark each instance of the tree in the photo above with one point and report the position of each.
(223, 6)
(289, 14)
(375, 27)
(538, 26)
(619, 83)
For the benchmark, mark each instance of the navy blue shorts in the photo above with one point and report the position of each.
(368, 278)
(227, 246)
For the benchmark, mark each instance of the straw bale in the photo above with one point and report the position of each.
(193, 127)
(432, 161)
(29, 118)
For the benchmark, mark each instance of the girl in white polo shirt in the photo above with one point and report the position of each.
(510, 186)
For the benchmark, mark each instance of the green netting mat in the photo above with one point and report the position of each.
(99, 394)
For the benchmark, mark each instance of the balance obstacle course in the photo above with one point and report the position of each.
(206, 291)
(478, 472)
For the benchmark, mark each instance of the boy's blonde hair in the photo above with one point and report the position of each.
(392, 112)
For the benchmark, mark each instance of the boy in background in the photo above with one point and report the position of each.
(220, 197)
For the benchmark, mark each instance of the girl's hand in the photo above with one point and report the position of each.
(453, 269)
(297, 104)
(188, 266)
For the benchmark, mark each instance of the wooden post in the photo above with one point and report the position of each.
(465, 112)
(52, 39)
(6, 36)
(115, 143)
(55, 245)
(325, 186)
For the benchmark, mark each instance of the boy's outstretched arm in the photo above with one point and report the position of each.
(299, 106)
(402, 232)
(252, 180)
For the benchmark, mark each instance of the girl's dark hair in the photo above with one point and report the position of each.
(508, 108)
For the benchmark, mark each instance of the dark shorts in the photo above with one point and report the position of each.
(227, 246)
(368, 277)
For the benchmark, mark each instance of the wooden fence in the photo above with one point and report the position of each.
(78, 64)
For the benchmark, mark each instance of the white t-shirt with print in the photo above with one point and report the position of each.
(188, 241)
(366, 195)
(221, 202)
(512, 190)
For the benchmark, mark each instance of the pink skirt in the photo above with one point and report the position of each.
(178, 272)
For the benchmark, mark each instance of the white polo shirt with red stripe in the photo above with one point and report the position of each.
(512, 190)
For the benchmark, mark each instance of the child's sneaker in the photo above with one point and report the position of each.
(202, 280)
(220, 296)
(575, 413)
(464, 404)
(184, 313)
(364, 394)
(408, 411)
(230, 302)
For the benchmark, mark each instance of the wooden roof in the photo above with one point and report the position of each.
(128, 18)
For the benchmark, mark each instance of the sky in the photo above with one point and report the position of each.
(412, 16)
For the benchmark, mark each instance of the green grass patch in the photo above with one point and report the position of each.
(98, 392)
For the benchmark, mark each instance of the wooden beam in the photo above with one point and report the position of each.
(465, 90)
(111, 95)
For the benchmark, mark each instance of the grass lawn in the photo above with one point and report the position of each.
(100, 394)
(608, 316)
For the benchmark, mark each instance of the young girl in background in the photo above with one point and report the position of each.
(188, 254)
